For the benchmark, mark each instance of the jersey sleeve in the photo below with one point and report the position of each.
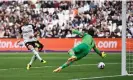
(20, 30)
(34, 28)
(78, 33)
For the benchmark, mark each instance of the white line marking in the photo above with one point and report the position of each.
(55, 66)
(97, 77)
(3, 69)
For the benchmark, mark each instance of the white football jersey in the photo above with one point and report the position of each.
(28, 31)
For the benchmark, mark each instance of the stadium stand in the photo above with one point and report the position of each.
(56, 18)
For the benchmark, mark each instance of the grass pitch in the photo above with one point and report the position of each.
(13, 67)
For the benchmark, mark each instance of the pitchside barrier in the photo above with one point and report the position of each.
(64, 44)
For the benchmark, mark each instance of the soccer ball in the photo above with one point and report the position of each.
(101, 65)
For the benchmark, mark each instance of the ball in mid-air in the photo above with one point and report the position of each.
(101, 65)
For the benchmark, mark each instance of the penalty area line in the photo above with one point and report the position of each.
(91, 78)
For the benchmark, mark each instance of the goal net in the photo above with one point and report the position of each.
(129, 55)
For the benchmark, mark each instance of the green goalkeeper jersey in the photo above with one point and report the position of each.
(86, 38)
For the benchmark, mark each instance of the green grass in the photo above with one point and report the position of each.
(13, 67)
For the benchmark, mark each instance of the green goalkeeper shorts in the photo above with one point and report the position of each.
(81, 50)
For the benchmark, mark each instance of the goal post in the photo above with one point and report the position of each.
(127, 46)
(123, 54)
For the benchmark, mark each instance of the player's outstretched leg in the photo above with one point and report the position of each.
(37, 54)
(32, 60)
(68, 62)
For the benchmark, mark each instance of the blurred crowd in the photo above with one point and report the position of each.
(54, 18)
(130, 19)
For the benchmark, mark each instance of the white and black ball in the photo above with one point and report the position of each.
(101, 65)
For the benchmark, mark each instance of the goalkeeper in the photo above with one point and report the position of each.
(80, 50)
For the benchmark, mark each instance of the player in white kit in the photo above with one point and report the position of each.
(28, 33)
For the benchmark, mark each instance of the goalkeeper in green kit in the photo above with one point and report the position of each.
(81, 50)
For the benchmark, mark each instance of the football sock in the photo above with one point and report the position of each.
(37, 54)
(66, 65)
(71, 53)
(32, 59)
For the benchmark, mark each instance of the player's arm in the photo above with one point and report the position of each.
(102, 54)
(36, 30)
(77, 32)
(19, 35)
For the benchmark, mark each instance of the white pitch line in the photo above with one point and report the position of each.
(97, 77)
(3, 69)
(55, 66)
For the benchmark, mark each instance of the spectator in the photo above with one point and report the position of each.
(2, 32)
(68, 35)
(56, 18)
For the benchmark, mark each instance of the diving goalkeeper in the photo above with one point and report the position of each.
(81, 50)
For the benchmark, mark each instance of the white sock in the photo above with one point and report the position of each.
(37, 54)
(32, 59)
